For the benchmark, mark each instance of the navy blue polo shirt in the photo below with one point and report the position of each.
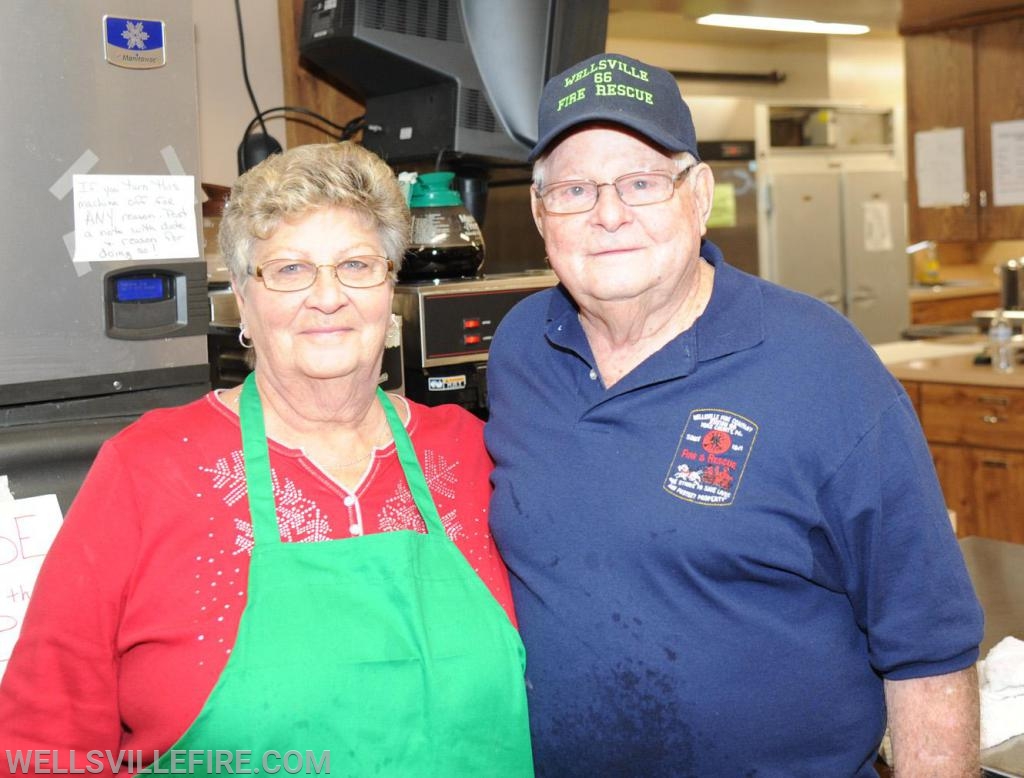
(716, 561)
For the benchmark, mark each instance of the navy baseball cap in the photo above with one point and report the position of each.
(616, 89)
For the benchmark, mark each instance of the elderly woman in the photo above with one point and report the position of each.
(300, 566)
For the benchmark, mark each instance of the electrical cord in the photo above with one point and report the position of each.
(245, 68)
(344, 132)
(255, 147)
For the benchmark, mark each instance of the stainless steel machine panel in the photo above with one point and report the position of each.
(70, 111)
(453, 322)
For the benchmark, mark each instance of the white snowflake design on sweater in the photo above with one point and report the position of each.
(219, 581)
(300, 519)
(400, 512)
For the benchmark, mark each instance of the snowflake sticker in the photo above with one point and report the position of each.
(134, 43)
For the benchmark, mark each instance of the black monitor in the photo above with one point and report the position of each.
(449, 77)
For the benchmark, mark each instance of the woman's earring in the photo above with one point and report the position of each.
(393, 334)
(242, 337)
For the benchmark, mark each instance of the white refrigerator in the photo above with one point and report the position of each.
(834, 228)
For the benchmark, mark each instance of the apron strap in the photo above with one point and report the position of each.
(259, 485)
(411, 466)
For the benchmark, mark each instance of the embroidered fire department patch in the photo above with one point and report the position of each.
(712, 454)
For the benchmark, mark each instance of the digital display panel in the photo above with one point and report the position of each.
(140, 289)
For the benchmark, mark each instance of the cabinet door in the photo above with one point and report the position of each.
(940, 94)
(913, 389)
(806, 235)
(999, 64)
(951, 310)
(954, 470)
(997, 491)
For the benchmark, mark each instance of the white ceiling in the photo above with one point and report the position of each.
(674, 19)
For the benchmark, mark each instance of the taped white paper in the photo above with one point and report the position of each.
(120, 218)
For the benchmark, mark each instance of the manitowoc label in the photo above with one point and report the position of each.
(712, 454)
(134, 43)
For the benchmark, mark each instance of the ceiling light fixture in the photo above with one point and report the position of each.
(776, 24)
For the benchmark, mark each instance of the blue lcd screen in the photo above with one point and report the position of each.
(139, 289)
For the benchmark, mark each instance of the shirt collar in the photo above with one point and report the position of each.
(733, 320)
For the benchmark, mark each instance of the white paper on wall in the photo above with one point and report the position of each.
(27, 529)
(1008, 162)
(120, 218)
(939, 167)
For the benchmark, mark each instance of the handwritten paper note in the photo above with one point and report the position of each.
(120, 218)
(939, 167)
(27, 529)
(877, 226)
(1008, 162)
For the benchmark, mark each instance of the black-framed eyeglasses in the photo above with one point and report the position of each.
(634, 189)
(294, 275)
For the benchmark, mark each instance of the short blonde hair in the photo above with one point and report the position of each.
(305, 179)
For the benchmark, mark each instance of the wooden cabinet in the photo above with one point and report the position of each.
(976, 436)
(951, 309)
(921, 15)
(913, 389)
(965, 78)
(304, 88)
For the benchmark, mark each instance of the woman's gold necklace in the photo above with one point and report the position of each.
(380, 441)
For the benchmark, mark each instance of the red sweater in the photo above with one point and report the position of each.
(138, 602)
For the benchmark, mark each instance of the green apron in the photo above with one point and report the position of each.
(387, 650)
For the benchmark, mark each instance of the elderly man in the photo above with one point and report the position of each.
(729, 551)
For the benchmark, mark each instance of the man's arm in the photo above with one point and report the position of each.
(933, 724)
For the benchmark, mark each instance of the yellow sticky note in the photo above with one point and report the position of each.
(723, 206)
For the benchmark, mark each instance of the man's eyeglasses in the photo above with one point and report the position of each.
(634, 189)
(294, 275)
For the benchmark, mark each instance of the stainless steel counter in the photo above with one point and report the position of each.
(997, 570)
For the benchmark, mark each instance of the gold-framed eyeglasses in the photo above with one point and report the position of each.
(634, 189)
(294, 275)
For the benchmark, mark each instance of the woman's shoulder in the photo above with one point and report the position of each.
(201, 416)
(445, 422)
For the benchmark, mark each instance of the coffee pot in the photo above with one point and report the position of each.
(446, 239)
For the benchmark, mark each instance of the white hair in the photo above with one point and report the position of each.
(682, 159)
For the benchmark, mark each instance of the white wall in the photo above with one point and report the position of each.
(224, 105)
(856, 70)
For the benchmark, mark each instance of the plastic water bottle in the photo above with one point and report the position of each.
(1000, 347)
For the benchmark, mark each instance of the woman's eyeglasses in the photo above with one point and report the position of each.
(294, 275)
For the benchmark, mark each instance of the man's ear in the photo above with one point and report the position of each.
(703, 182)
(537, 208)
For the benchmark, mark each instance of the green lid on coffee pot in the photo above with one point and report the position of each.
(434, 190)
